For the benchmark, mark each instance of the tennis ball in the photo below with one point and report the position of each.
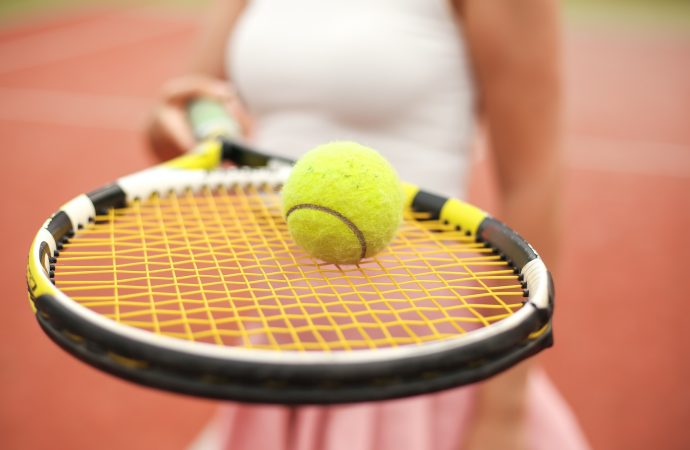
(342, 202)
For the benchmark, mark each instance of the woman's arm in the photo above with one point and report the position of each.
(168, 130)
(209, 55)
(515, 49)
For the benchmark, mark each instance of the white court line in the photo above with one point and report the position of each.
(91, 37)
(74, 109)
(610, 154)
(583, 152)
(615, 155)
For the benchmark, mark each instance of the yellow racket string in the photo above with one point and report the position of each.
(219, 266)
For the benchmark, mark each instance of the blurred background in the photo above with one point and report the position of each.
(77, 78)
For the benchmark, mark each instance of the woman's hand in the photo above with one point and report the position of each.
(492, 436)
(489, 435)
(168, 129)
(500, 419)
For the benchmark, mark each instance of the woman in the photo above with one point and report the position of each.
(410, 78)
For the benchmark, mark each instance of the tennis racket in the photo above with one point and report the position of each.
(183, 277)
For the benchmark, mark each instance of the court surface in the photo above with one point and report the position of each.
(78, 87)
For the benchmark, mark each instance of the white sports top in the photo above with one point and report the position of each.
(389, 74)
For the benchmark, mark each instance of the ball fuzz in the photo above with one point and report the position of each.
(343, 202)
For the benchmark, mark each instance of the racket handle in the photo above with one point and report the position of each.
(209, 119)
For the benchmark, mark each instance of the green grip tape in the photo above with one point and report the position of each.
(209, 118)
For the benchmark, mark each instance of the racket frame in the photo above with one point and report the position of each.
(286, 377)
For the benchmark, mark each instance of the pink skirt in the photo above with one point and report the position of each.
(429, 422)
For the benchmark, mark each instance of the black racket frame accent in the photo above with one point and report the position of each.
(255, 382)
(310, 383)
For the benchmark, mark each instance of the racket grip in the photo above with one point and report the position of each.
(209, 119)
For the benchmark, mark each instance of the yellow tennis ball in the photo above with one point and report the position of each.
(342, 202)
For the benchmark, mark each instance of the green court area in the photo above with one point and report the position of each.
(673, 14)
(667, 14)
(11, 10)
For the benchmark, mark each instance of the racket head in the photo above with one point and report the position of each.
(244, 371)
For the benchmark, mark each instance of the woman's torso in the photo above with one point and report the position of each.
(390, 74)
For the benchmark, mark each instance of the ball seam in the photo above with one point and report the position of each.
(357, 232)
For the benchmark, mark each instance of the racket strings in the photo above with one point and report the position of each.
(218, 266)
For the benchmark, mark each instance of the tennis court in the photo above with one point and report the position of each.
(77, 85)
